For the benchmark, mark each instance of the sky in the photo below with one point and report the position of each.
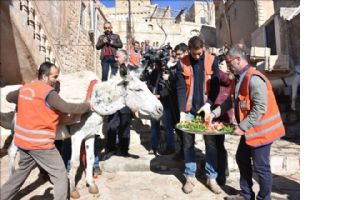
(174, 4)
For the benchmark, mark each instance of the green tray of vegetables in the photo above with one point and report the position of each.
(198, 126)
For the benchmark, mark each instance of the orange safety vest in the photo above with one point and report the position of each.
(135, 57)
(270, 126)
(188, 75)
(36, 123)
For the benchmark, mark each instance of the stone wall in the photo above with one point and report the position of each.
(58, 31)
(151, 23)
(240, 17)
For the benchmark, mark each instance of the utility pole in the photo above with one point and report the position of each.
(129, 28)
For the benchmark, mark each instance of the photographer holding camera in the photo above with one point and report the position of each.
(108, 43)
(156, 74)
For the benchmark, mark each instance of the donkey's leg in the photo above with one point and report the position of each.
(76, 140)
(90, 157)
(12, 151)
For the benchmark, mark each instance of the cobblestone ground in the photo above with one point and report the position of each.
(150, 177)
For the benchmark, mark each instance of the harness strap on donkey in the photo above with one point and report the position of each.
(88, 95)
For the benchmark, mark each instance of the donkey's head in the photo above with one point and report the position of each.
(139, 98)
(112, 95)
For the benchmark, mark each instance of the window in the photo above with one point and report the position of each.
(150, 27)
(235, 12)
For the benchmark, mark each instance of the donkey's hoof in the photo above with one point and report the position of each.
(93, 189)
(75, 194)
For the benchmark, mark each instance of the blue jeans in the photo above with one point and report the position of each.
(211, 155)
(106, 62)
(168, 129)
(261, 162)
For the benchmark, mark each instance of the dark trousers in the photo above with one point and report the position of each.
(222, 160)
(260, 156)
(106, 62)
(119, 124)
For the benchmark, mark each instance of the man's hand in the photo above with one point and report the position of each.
(206, 109)
(209, 118)
(238, 131)
(105, 40)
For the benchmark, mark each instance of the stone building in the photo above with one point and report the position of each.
(160, 25)
(271, 27)
(63, 32)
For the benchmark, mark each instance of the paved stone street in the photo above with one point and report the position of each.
(149, 177)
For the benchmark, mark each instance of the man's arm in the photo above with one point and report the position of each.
(116, 42)
(258, 95)
(100, 43)
(223, 108)
(214, 84)
(180, 88)
(55, 101)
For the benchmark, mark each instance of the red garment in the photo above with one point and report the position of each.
(107, 51)
(226, 85)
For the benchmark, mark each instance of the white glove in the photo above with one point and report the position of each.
(165, 77)
(183, 117)
(206, 109)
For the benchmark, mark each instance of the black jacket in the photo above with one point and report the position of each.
(114, 45)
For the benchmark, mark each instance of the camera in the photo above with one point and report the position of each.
(155, 59)
(108, 37)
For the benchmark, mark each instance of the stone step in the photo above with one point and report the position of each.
(284, 155)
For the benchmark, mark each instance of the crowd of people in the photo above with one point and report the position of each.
(224, 88)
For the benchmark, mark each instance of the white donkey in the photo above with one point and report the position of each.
(106, 98)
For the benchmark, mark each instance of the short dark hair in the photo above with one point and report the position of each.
(45, 69)
(182, 47)
(196, 43)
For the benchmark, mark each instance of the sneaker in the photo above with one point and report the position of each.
(189, 185)
(212, 184)
(97, 171)
(234, 197)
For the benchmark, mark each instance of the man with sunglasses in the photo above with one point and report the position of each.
(259, 124)
(108, 43)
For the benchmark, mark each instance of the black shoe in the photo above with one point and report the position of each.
(178, 156)
(128, 155)
(97, 171)
(109, 155)
(168, 152)
(221, 180)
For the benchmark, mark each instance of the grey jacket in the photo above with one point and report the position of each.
(114, 45)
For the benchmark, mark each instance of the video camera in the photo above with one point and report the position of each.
(155, 58)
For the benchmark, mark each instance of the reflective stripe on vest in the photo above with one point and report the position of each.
(189, 78)
(270, 126)
(35, 132)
